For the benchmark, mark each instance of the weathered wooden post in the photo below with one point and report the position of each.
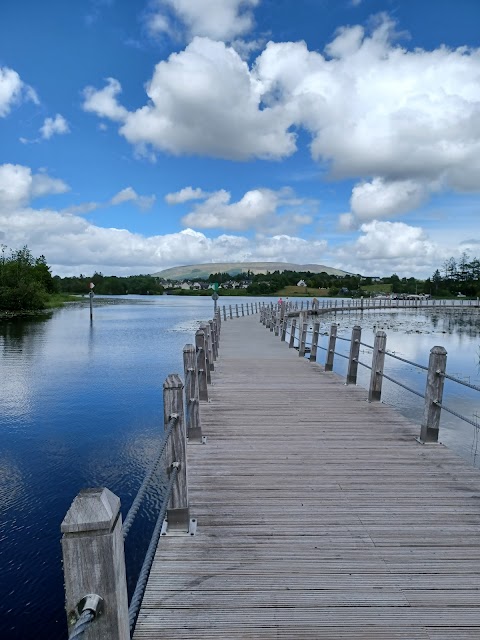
(292, 333)
(303, 337)
(94, 563)
(273, 318)
(213, 339)
(201, 365)
(193, 426)
(283, 333)
(178, 512)
(224, 313)
(236, 309)
(230, 310)
(248, 310)
(378, 357)
(331, 348)
(208, 350)
(314, 347)
(354, 354)
(433, 395)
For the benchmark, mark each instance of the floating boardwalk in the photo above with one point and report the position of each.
(319, 515)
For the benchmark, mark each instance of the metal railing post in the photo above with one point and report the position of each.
(378, 357)
(433, 395)
(201, 365)
(94, 563)
(331, 348)
(354, 355)
(178, 512)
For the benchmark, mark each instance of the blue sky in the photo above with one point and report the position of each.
(136, 136)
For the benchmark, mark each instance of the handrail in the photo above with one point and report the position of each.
(458, 381)
(101, 566)
(436, 374)
(130, 517)
(137, 598)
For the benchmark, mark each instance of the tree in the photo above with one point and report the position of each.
(25, 281)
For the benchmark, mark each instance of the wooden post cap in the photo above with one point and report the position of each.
(173, 381)
(92, 510)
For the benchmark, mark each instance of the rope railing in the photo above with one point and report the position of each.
(400, 384)
(459, 381)
(130, 517)
(457, 415)
(81, 625)
(415, 364)
(137, 597)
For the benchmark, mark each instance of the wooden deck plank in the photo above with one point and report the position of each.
(319, 514)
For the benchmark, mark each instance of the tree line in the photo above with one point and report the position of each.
(26, 282)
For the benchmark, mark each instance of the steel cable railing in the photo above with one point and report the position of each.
(457, 380)
(81, 625)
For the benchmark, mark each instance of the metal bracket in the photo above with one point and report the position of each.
(192, 529)
(91, 602)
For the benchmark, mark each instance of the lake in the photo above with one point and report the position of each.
(81, 406)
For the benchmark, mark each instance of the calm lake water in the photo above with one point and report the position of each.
(81, 406)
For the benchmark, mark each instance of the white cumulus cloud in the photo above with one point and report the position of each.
(13, 91)
(130, 195)
(18, 186)
(52, 126)
(184, 195)
(104, 102)
(216, 19)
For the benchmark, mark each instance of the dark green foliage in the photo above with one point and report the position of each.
(110, 285)
(25, 281)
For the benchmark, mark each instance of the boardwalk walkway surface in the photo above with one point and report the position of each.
(319, 516)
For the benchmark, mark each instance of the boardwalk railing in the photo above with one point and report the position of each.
(93, 534)
(274, 317)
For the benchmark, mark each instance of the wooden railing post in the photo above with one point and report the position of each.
(283, 334)
(201, 365)
(331, 348)
(178, 513)
(378, 357)
(224, 313)
(230, 310)
(94, 563)
(194, 429)
(236, 309)
(433, 395)
(213, 339)
(314, 347)
(248, 310)
(303, 326)
(354, 354)
(243, 312)
(205, 326)
(292, 333)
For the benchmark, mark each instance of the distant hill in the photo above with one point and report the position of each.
(193, 271)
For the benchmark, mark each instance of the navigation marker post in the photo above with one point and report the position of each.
(91, 285)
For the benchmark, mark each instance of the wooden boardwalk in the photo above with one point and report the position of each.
(319, 515)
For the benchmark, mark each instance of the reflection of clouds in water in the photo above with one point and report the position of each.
(16, 396)
(12, 488)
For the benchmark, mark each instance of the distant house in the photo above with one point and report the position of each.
(185, 286)
(196, 286)
(301, 283)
